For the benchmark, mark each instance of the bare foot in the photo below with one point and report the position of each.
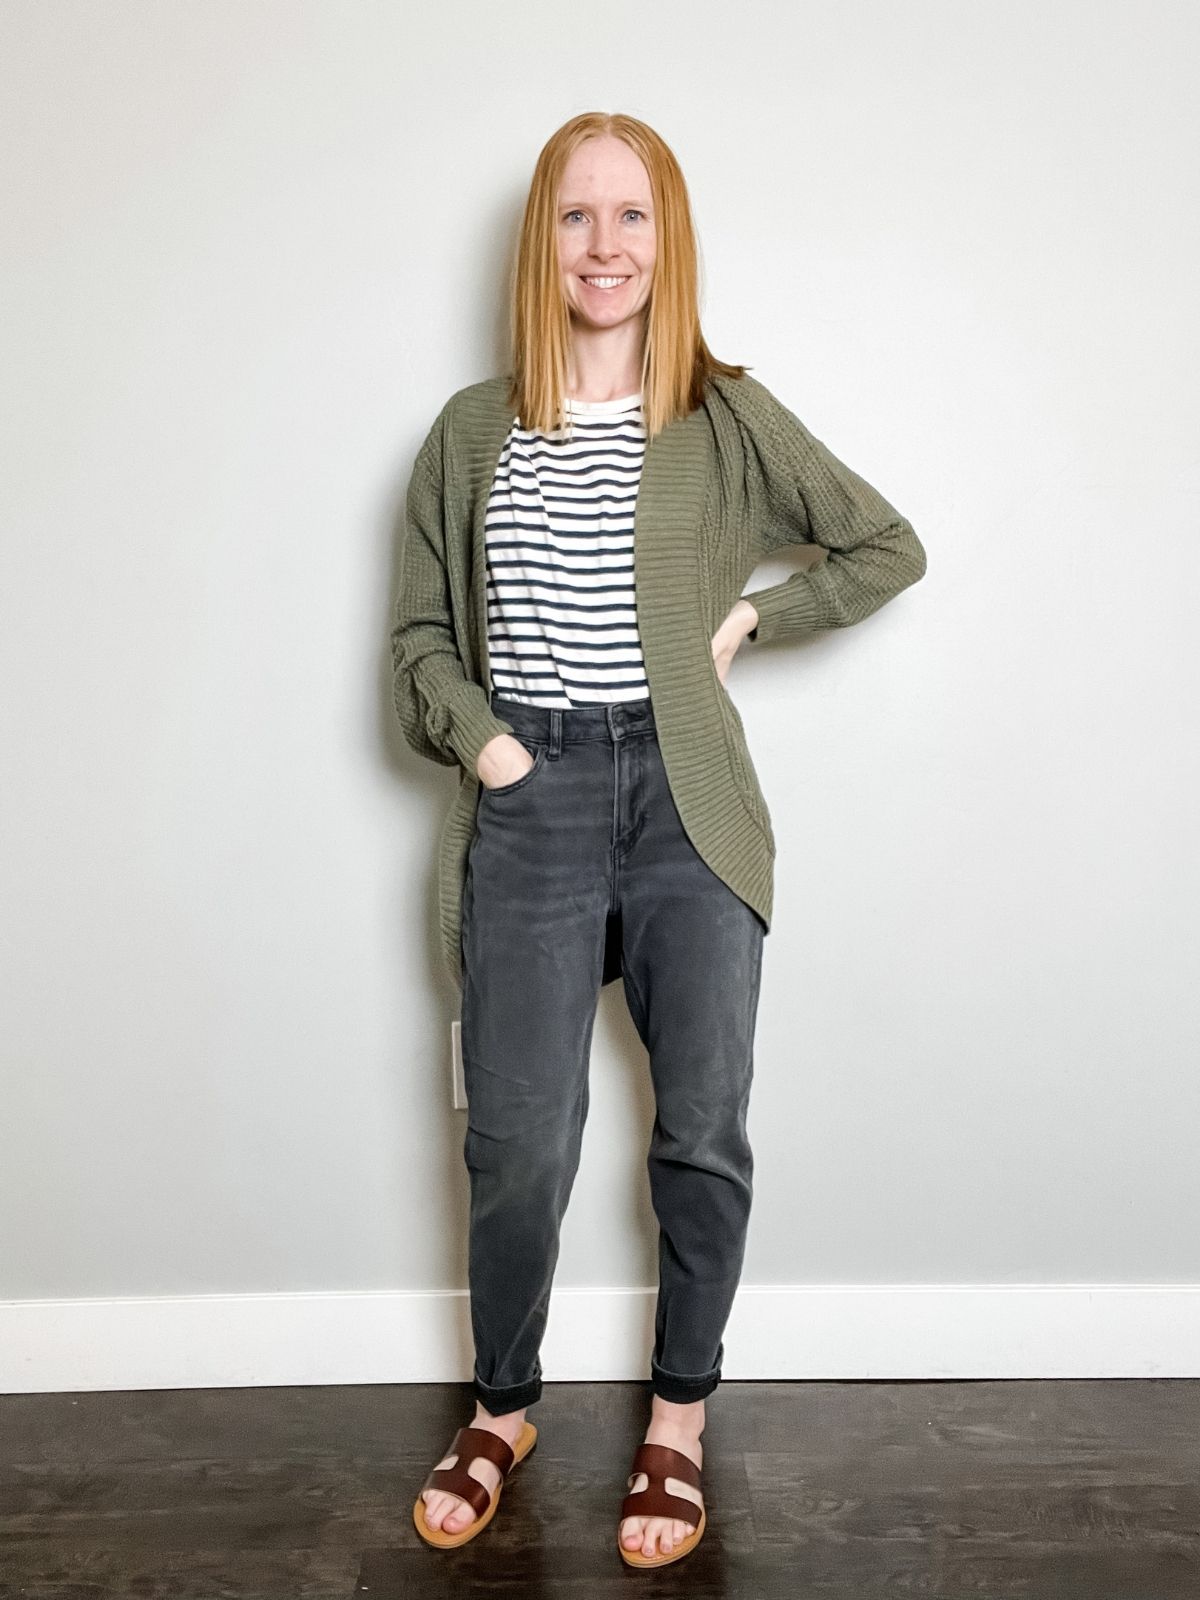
(450, 1511)
(680, 1428)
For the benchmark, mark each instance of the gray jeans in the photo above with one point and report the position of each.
(590, 834)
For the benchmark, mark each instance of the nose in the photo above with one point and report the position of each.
(602, 244)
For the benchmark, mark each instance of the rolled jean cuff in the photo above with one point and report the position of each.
(680, 1390)
(515, 1397)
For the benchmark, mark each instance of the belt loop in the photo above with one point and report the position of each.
(555, 749)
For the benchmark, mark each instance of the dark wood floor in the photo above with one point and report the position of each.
(1050, 1490)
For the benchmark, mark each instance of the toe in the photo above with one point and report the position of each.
(431, 1499)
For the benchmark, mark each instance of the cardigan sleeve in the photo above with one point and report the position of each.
(443, 714)
(800, 493)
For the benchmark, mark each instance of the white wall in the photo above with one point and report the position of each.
(247, 252)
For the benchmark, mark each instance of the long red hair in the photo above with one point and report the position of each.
(676, 361)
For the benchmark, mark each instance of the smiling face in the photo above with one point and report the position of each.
(606, 232)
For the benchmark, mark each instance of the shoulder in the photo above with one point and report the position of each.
(752, 402)
(468, 408)
(769, 431)
(488, 392)
(471, 400)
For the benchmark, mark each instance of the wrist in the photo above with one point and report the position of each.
(747, 616)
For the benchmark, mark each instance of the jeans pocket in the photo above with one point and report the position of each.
(538, 752)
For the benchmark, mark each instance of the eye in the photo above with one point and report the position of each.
(631, 211)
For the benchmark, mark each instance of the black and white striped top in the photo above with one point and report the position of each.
(562, 614)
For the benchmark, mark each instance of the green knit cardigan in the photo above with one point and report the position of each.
(722, 488)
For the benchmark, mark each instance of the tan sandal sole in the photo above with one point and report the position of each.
(438, 1537)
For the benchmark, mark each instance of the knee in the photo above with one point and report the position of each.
(531, 1159)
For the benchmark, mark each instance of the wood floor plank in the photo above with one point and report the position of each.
(1045, 1490)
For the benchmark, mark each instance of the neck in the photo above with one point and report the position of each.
(605, 363)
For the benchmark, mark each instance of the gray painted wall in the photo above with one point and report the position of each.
(247, 252)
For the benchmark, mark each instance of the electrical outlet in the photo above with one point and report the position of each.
(458, 1086)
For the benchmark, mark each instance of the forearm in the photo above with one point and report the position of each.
(436, 700)
(443, 714)
(841, 589)
(800, 493)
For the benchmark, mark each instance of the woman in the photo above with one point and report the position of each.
(608, 820)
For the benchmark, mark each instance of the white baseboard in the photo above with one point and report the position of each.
(839, 1331)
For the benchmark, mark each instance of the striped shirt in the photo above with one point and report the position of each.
(562, 614)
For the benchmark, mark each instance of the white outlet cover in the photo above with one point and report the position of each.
(458, 1085)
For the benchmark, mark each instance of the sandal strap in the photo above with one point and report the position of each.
(466, 1445)
(659, 1462)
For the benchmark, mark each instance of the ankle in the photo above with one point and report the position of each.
(688, 1419)
(505, 1423)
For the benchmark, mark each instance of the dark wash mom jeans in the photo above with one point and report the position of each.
(591, 833)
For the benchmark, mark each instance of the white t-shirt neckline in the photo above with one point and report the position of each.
(599, 408)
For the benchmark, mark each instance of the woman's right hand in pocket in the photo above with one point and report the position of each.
(502, 760)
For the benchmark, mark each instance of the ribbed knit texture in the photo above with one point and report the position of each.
(722, 488)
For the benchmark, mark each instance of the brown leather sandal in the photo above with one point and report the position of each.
(659, 1462)
(468, 1445)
